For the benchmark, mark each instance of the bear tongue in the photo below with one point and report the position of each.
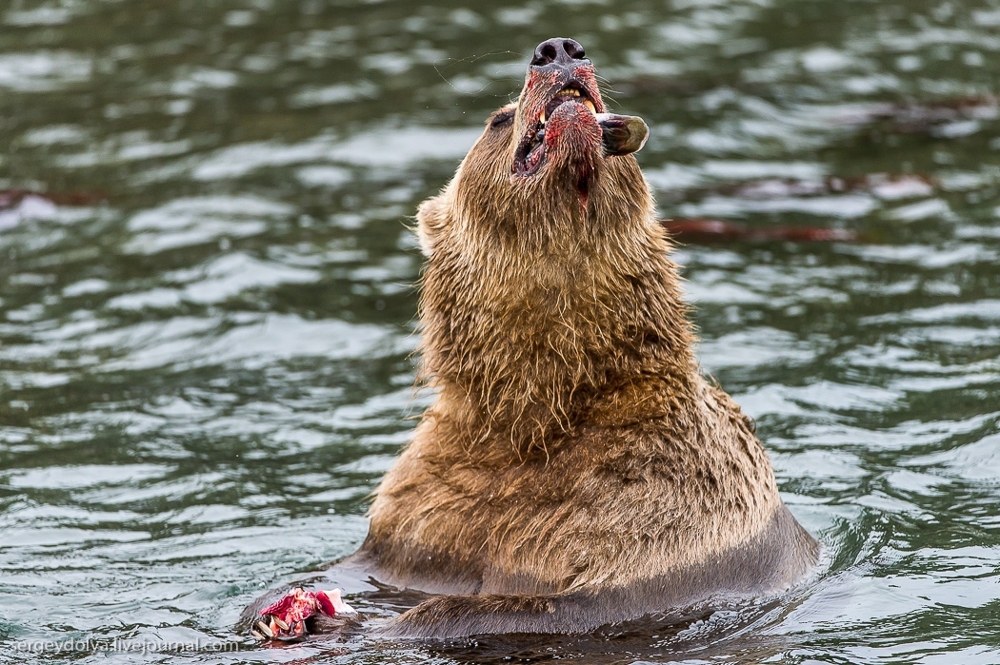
(623, 134)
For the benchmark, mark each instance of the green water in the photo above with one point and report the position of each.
(205, 359)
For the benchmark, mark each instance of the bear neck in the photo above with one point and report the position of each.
(529, 337)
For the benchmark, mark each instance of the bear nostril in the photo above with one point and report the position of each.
(544, 54)
(574, 50)
(562, 51)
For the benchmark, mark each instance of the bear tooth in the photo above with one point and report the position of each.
(590, 105)
(541, 118)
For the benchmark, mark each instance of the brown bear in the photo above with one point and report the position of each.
(576, 469)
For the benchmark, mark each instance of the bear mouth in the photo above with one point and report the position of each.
(530, 153)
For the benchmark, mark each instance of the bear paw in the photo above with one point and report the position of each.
(288, 619)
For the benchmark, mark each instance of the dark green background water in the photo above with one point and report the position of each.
(203, 376)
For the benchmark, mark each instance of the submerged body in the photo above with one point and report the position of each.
(576, 468)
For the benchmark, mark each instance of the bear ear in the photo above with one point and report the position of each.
(503, 117)
(431, 221)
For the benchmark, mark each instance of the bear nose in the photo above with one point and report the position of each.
(558, 50)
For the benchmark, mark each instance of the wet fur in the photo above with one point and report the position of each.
(576, 468)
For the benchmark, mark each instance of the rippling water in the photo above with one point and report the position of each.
(207, 302)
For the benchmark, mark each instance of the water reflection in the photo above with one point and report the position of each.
(206, 296)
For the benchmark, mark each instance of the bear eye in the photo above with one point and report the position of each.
(503, 118)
